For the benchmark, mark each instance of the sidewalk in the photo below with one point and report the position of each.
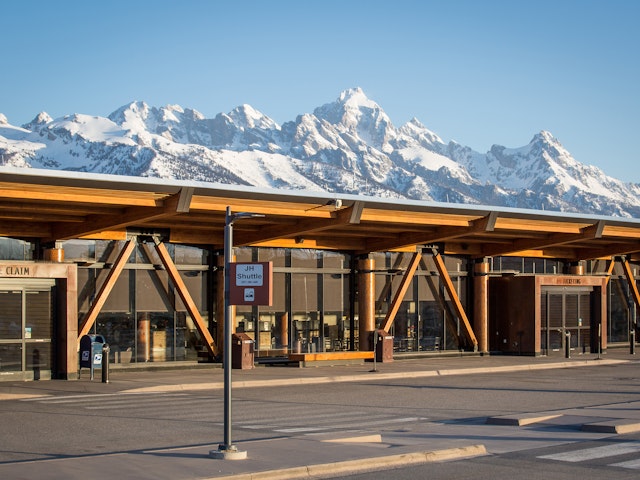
(210, 376)
(302, 456)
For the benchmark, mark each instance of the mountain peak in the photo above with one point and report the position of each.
(246, 116)
(38, 121)
(416, 129)
(354, 111)
(545, 137)
(42, 118)
(126, 112)
(354, 97)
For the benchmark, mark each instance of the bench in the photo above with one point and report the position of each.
(329, 358)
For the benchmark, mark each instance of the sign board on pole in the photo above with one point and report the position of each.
(251, 283)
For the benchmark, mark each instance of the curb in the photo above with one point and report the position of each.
(363, 377)
(357, 466)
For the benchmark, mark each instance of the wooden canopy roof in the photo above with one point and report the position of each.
(55, 205)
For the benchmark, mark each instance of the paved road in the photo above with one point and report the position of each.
(160, 431)
(603, 459)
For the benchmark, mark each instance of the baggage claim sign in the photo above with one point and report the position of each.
(251, 283)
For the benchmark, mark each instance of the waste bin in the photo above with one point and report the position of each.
(91, 352)
(383, 346)
(241, 351)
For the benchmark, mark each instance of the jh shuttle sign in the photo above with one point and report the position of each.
(251, 283)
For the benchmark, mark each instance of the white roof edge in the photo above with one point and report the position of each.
(123, 182)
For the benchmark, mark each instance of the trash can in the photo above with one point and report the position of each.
(241, 351)
(91, 352)
(383, 346)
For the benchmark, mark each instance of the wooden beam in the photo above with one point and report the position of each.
(184, 294)
(611, 249)
(431, 235)
(106, 288)
(612, 264)
(75, 195)
(632, 281)
(402, 290)
(449, 316)
(172, 205)
(21, 229)
(346, 216)
(591, 232)
(453, 295)
(382, 297)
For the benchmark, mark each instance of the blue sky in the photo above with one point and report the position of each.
(477, 72)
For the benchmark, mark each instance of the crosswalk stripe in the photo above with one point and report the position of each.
(633, 464)
(370, 422)
(146, 404)
(318, 418)
(77, 398)
(595, 452)
(302, 429)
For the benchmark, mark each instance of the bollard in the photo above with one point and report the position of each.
(567, 346)
(632, 341)
(105, 362)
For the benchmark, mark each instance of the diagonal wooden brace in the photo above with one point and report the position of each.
(165, 258)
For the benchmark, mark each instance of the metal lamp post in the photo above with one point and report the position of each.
(227, 450)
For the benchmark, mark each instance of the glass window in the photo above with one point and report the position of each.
(334, 260)
(196, 283)
(151, 291)
(11, 249)
(119, 332)
(11, 318)
(38, 358)
(80, 250)
(187, 255)
(11, 355)
(275, 255)
(304, 292)
(38, 314)
(618, 310)
(334, 291)
(118, 299)
(243, 254)
(304, 257)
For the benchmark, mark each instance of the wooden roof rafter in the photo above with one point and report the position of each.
(591, 232)
(174, 204)
(610, 249)
(437, 235)
(346, 216)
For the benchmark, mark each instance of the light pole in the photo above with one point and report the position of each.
(228, 450)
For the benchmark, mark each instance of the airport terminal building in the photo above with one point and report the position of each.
(139, 261)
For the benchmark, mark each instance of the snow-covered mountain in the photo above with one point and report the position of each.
(349, 146)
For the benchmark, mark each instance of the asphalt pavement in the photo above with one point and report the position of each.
(301, 456)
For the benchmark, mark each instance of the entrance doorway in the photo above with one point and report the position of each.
(566, 311)
(26, 330)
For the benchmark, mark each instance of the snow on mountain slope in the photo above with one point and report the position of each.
(348, 145)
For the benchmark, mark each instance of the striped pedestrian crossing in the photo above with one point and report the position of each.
(251, 415)
(612, 451)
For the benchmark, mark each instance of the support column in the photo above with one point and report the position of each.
(576, 268)
(284, 331)
(220, 305)
(143, 339)
(220, 302)
(366, 303)
(481, 303)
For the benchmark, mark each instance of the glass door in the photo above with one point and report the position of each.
(26, 334)
(11, 343)
(565, 311)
